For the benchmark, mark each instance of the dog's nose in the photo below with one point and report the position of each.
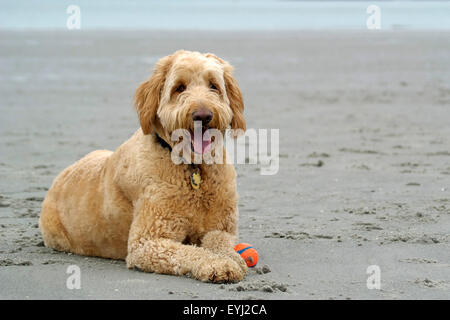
(203, 115)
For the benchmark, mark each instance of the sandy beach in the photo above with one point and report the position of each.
(364, 175)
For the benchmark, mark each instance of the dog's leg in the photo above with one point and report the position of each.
(171, 257)
(223, 242)
(154, 245)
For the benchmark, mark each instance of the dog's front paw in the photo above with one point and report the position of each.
(236, 257)
(219, 270)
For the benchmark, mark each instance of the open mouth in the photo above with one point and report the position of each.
(200, 143)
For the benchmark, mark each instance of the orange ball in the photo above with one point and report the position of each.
(248, 253)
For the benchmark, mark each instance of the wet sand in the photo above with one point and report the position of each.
(364, 175)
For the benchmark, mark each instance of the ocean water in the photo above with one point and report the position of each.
(223, 14)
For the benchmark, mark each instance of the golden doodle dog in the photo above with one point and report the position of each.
(136, 204)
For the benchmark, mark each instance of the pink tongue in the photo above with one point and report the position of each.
(200, 145)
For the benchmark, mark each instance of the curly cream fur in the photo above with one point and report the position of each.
(136, 204)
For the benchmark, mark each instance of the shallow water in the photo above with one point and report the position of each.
(224, 15)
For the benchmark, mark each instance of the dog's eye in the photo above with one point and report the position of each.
(180, 88)
(212, 86)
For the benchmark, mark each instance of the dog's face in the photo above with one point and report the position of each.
(186, 87)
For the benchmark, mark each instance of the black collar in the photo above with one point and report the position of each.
(163, 143)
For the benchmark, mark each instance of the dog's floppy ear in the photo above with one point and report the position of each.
(147, 96)
(234, 95)
(236, 100)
